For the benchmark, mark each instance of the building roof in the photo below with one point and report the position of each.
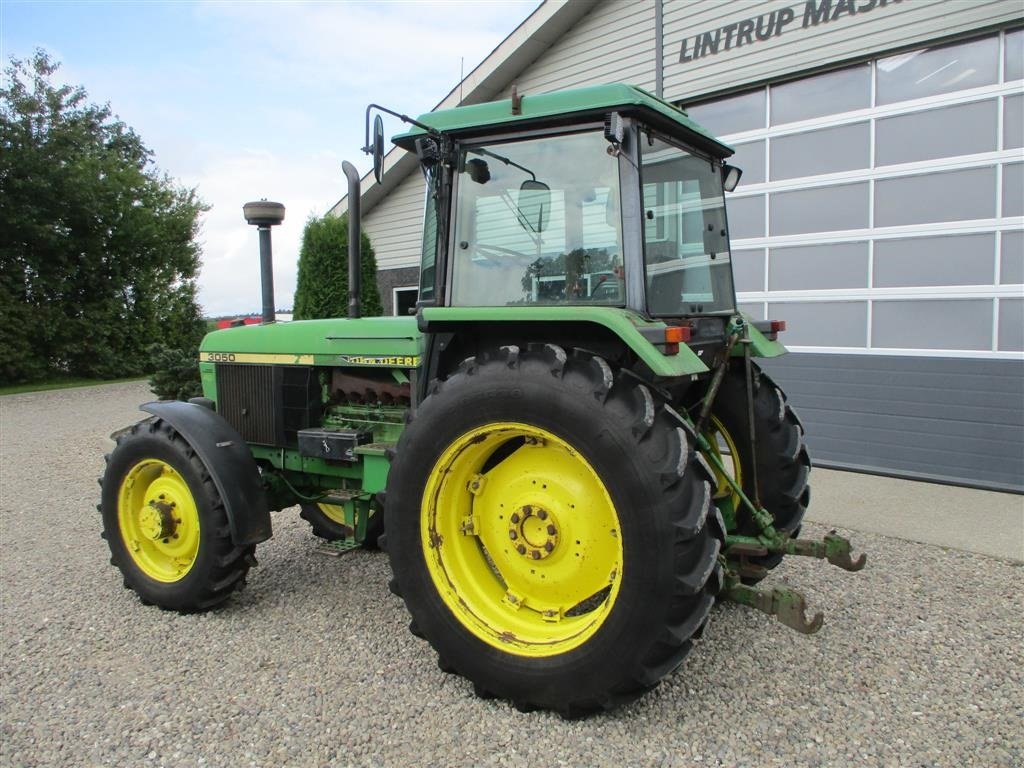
(528, 41)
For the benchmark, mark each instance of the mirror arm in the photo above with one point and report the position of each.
(505, 160)
(368, 149)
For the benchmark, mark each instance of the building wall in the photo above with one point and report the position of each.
(881, 206)
(952, 420)
(395, 225)
(613, 43)
(389, 279)
(881, 216)
(881, 211)
(804, 46)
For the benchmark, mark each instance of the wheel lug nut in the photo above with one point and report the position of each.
(514, 518)
(543, 515)
(528, 510)
(552, 530)
(521, 549)
(535, 554)
(513, 535)
(549, 547)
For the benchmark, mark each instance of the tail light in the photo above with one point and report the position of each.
(674, 336)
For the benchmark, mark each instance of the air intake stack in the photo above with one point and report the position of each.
(354, 236)
(264, 215)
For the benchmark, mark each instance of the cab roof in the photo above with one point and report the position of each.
(567, 106)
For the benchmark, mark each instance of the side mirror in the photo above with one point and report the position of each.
(730, 177)
(378, 148)
(534, 205)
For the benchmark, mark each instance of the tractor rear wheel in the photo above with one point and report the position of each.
(165, 522)
(551, 530)
(783, 465)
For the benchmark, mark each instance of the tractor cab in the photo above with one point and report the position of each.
(603, 196)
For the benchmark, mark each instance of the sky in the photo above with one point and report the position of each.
(253, 100)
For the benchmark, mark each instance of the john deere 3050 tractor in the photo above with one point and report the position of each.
(569, 449)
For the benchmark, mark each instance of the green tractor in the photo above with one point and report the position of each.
(568, 453)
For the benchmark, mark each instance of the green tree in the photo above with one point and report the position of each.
(322, 286)
(98, 258)
(175, 373)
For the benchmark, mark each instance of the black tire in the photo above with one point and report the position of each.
(671, 533)
(217, 567)
(374, 531)
(783, 465)
(328, 529)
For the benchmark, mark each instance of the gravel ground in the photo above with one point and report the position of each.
(921, 661)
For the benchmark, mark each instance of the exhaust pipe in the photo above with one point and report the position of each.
(264, 215)
(354, 237)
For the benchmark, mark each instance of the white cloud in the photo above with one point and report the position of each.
(230, 281)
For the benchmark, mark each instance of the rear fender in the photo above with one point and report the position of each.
(760, 344)
(230, 463)
(646, 337)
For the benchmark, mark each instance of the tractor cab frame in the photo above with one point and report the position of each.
(597, 204)
(644, 189)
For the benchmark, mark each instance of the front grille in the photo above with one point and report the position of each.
(268, 404)
(245, 398)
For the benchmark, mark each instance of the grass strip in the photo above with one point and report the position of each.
(63, 383)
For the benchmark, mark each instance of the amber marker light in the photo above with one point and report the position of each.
(674, 336)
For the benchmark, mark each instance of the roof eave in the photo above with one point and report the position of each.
(511, 56)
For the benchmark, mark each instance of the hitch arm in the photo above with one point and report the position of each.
(787, 605)
(834, 548)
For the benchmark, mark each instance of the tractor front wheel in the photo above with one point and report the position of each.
(551, 530)
(165, 522)
(327, 521)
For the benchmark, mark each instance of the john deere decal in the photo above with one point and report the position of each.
(391, 362)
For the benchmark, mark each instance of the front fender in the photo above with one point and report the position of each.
(230, 463)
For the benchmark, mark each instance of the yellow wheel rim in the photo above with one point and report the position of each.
(333, 512)
(159, 521)
(724, 448)
(521, 539)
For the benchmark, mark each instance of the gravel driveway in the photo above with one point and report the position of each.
(920, 663)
